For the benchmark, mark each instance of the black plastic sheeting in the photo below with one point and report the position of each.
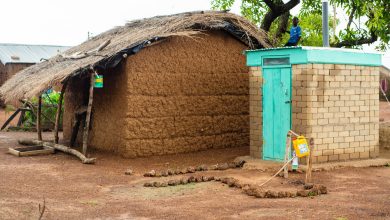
(115, 60)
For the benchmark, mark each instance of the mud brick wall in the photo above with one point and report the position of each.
(337, 105)
(181, 95)
(8, 70)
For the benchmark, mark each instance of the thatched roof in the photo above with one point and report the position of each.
(125, 41)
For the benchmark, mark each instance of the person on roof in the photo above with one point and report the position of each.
(295, 34)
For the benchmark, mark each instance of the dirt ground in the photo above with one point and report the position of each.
(102, 191)
(384, 112)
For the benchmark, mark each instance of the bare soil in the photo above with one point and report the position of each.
(102, 191)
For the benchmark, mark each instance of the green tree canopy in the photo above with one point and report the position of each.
(368, 21)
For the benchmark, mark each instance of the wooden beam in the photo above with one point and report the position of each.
(39, 118)
(309, 168)
(287, 154)
(59, 147)
(10, 118)
(88, 116)
(58, 113)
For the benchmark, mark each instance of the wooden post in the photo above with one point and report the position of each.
(286, 155)
(88, 117)
(58, 113)
(309, 162)
(39, 118)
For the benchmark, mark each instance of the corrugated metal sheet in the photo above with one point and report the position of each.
(21, 53)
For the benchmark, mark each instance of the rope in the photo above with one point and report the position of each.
(276, 172)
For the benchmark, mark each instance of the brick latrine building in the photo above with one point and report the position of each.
(330, 95)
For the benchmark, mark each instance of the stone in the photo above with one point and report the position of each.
(282, 194)
(170, 172)
(183, 181)
(321, 188)
(232, 165)
(151, 173)
(217, 178)
(198, 179)
(259, 193)
(158, 174)
(172, 183)
(213, 167)
(164, 184)
(129, 172)
(156, 184)
(191, 179)
(308, 186)
(202, 167)
(191, 169)
(177, 172)
(164, 173)
(271, 194)
(240, 163)
(223, 166)
(231, 182)
(303, 193)
(148, 184)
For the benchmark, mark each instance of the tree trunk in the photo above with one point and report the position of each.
(88, 117)
(39, 118)
(58, 113)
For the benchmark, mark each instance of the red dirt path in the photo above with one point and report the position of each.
(102, 191)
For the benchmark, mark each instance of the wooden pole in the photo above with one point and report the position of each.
(58, 113)
(39, 118)
(88, 116)
(309, 161)
(286, 155)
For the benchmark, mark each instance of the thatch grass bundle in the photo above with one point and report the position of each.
(37, 78)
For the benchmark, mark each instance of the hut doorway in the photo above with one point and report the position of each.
(276, 110)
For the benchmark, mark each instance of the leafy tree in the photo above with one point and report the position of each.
(273, 16)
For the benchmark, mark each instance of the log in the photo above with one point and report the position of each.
(39, 119)
(59, 147)
(58, 113)
(88, 116)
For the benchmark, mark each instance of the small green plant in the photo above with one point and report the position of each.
(49, 110)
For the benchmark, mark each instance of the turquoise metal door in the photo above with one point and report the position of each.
(276, 111)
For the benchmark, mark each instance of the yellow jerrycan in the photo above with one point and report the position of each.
(300, 146)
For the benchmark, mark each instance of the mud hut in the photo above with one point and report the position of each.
(172, 84)
(15, 57)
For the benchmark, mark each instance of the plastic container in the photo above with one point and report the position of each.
(301, 147)
(98, 81)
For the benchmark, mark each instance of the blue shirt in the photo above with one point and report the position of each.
(295, 33)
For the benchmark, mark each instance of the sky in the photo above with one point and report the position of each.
(67, 22)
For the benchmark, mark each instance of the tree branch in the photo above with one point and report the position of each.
(351, 16)
(361, 41)
(276, 10)
(283, 23)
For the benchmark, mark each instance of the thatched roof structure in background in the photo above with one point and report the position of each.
(125, 41)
